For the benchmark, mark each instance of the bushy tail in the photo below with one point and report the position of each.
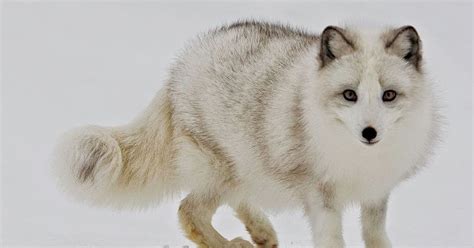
(128, 166)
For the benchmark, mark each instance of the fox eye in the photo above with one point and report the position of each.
(389, 95)
(350, 95)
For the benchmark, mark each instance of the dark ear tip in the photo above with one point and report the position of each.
(330, 29)
(409, 28)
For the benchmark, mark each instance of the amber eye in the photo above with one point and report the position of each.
(350, 95)
(389, 95)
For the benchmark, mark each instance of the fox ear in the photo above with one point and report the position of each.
(405, 43)
(334, 44)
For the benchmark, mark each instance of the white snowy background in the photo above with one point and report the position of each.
(75, 63)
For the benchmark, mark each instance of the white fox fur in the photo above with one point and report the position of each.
(255, 115)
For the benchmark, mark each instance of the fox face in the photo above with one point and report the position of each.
(368, 83)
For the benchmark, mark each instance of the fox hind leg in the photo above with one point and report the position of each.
(258, 226)
(195, 215)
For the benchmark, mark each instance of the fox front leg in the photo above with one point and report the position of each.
(373, 216)
(325, 218)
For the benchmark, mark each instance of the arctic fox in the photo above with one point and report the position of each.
(264, 116)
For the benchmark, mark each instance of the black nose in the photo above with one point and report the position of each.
(369, 133)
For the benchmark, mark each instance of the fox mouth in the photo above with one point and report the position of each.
(369, 143)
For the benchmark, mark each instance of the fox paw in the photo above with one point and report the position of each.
(266, 241)
(263, 236)
(382, 242)
(239, 243)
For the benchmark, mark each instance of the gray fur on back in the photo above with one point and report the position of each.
(223, 83)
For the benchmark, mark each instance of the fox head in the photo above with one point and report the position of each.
(367, 83)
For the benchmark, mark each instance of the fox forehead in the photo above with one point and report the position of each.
(374, 71)
(371, 65)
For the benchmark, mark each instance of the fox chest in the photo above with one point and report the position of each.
(368, 179)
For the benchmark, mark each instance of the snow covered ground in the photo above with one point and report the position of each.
(60, 59)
